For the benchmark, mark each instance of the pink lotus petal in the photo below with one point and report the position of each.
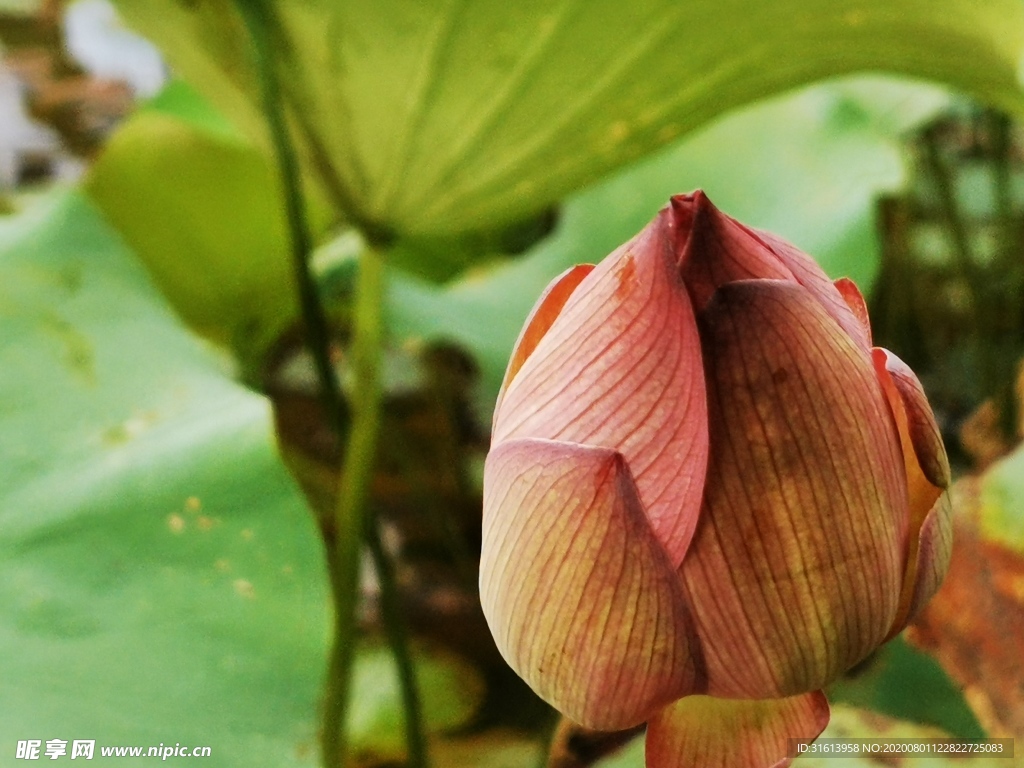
(795, 569)
(621, 368)
(582, 600)
(705, 732)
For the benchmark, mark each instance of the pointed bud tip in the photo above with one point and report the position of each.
(685, 209)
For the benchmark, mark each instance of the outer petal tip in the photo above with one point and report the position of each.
(855, 301)
(581, 598)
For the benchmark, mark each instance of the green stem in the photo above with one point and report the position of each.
(394, 626)
(343, 550)
(317, 333)
(356, 474)
(339, 668)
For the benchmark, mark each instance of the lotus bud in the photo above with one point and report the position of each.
(707, 494)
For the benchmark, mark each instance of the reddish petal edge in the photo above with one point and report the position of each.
(922, 493)
(933, 554)
(929, 533)
(922, 429)
(734, 733)
(541, 318)
(855, 301)
(581, 598)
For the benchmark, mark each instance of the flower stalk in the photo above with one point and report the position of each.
(394, 628)
(350, 510)
(353, 521)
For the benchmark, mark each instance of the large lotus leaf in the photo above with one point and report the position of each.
(200, 206)
(161, 580)
(807, 166)
(460, 115)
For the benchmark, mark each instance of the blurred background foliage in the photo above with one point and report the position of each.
(162, 435)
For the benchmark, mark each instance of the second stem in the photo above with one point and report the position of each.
(344, 553)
